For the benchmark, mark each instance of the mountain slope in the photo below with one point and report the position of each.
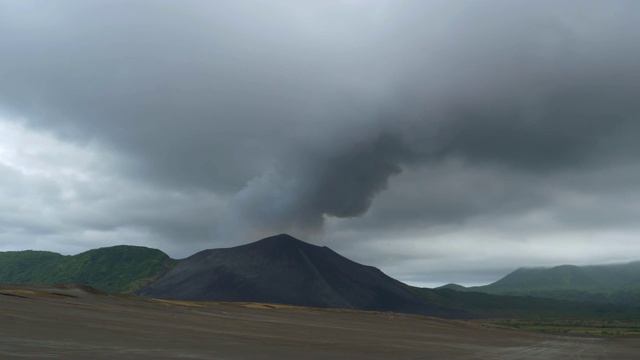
(282, 269)
(484, 305)
(112, 269)
(619, 283)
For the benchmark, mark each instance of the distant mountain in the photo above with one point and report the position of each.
(282, 269)
(111, 269)
(618, 284)
(453, 287)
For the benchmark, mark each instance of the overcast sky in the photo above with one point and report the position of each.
(441, 141)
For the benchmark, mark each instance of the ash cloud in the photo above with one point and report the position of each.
(529, 94)
(304, 111)
(297, 197)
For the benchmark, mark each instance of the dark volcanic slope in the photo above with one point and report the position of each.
(282, 269)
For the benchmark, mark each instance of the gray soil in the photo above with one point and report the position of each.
(75, 323)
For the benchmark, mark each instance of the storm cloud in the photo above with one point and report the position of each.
(339, 122)
(539, 99)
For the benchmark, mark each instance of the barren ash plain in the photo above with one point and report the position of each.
(73, 322)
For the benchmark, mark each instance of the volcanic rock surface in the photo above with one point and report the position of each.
(282, 269)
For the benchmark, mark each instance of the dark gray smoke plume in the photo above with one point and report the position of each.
(301, 111)
(297, 196)
(528, 90)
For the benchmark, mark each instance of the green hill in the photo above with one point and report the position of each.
(112, 269)
(485, 305)
(615, 284)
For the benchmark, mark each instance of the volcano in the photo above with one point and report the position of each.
(284, 270)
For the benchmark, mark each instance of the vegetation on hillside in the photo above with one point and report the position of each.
(119, 269)
(507, 306)
(607, 284)
(587, 326)
(605, 293)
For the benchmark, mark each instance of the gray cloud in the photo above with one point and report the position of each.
(252, 118)
(542, 97)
